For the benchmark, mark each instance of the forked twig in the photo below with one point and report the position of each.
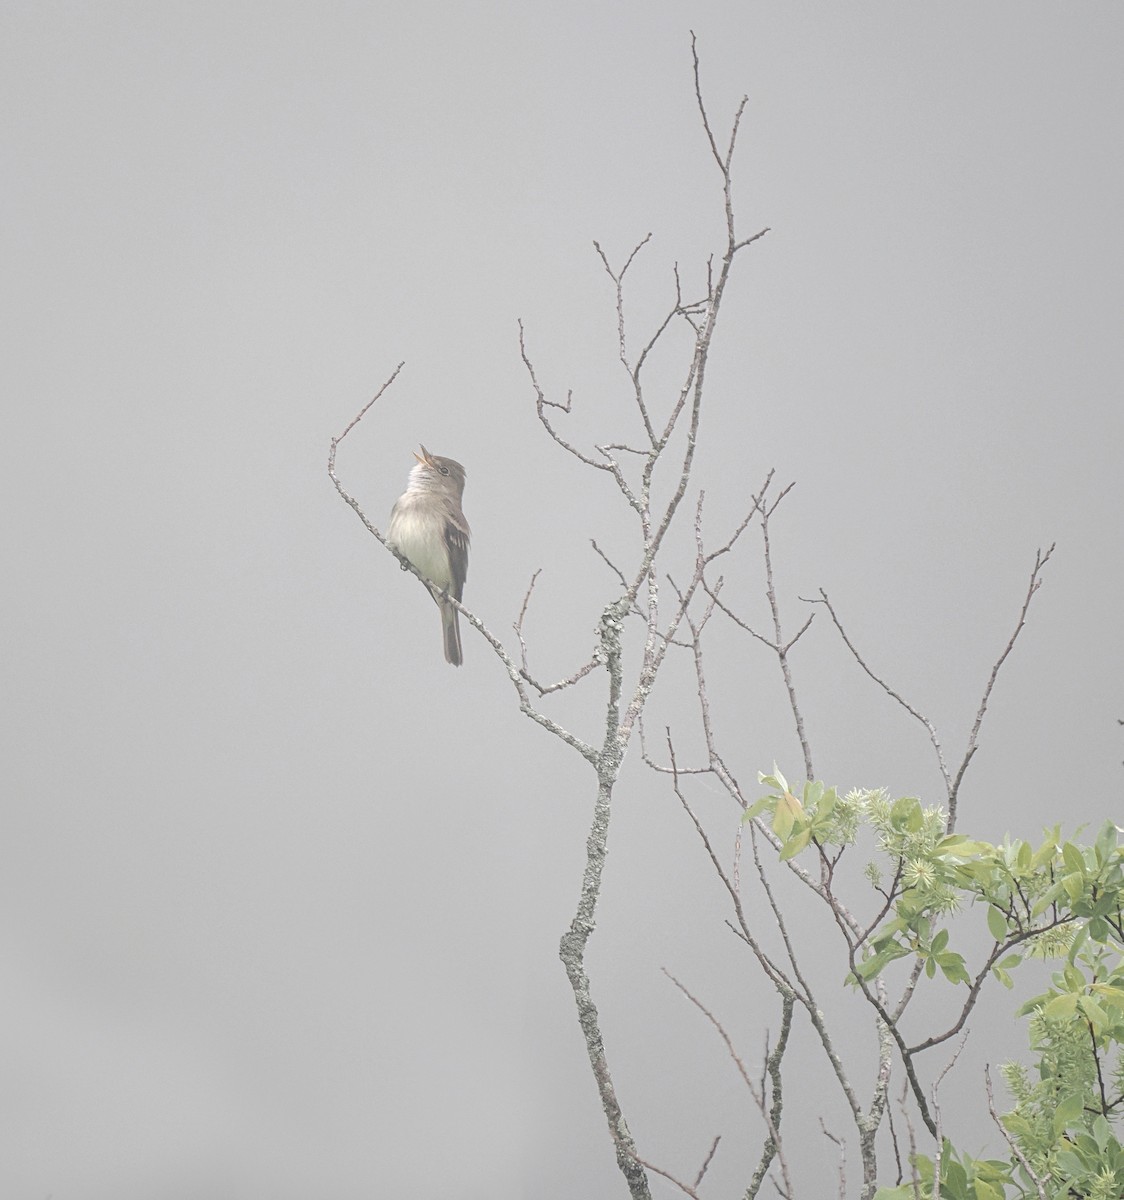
(767, 1112)
(952, 783)
(841, 1145)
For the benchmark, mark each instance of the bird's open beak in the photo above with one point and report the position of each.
(425, 458)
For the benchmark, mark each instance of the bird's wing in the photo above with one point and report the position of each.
(456, 539)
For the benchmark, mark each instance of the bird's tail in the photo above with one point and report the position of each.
(451, 629)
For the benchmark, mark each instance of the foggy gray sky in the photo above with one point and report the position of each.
(281, 890)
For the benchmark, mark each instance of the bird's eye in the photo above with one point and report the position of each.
(443, 470)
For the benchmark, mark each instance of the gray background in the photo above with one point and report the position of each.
(281, 891)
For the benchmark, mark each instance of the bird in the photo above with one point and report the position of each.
(428, 527)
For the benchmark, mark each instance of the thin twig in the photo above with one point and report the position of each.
(518, 625)
(707, 1161)
(1040, 560)
(915, 1177)
(685, 1188)
(938, 1137)
(952, 783)
(842, 1146)
(758, 1096)
(913, 712)
(363, 411)
(1039, 1184)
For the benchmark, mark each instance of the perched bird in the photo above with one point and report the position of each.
(428, 527)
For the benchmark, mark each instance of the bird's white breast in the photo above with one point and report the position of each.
(419, 534)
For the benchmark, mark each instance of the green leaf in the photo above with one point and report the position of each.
(813, 790)
(907, 814)
(1106, 843)
(1074, 886)
(1068, 1110)
(1096, 1015)
(957, 845)
(1074, 980)
(827, 805)
(783, 822)
(996, 923)
(889, 932)
(952, 964)
(1073, 858)
(955, 1181)
(776, 780)
(1110, 994)
(1003, 977)
(1035, 1004)
(1016, 1124)
(1061, 1006)
(877, 962)
(1079, 940)
(1045, 853)
(795, 844)
(1070, 1164)
(756, 809)
(1046, 899)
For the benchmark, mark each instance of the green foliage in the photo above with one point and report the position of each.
(1059, 901)
(962, 1178)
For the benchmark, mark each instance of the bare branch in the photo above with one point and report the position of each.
(542, 404)
(571, 951)
(750, 240)
(1040, 560)
(702, 105)
(937, 1133)
(915, 1178)
(363, 412)
(799, 990)
(779, 644)
(707, 1161)
(952, 785)
(610, 564)
(908, 990)
(544, 689)
(913, 712)
(346, 496)
(518, 625)
(1039, 1184)
(773, 1126)
(685, 1188)
(724, 161)
(772, 1068)
(997, 952)
(842, 1147)
(622, 351)
(721, 1033)
(772, 972)
(804, 991)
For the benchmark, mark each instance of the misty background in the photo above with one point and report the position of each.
(281, 890)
